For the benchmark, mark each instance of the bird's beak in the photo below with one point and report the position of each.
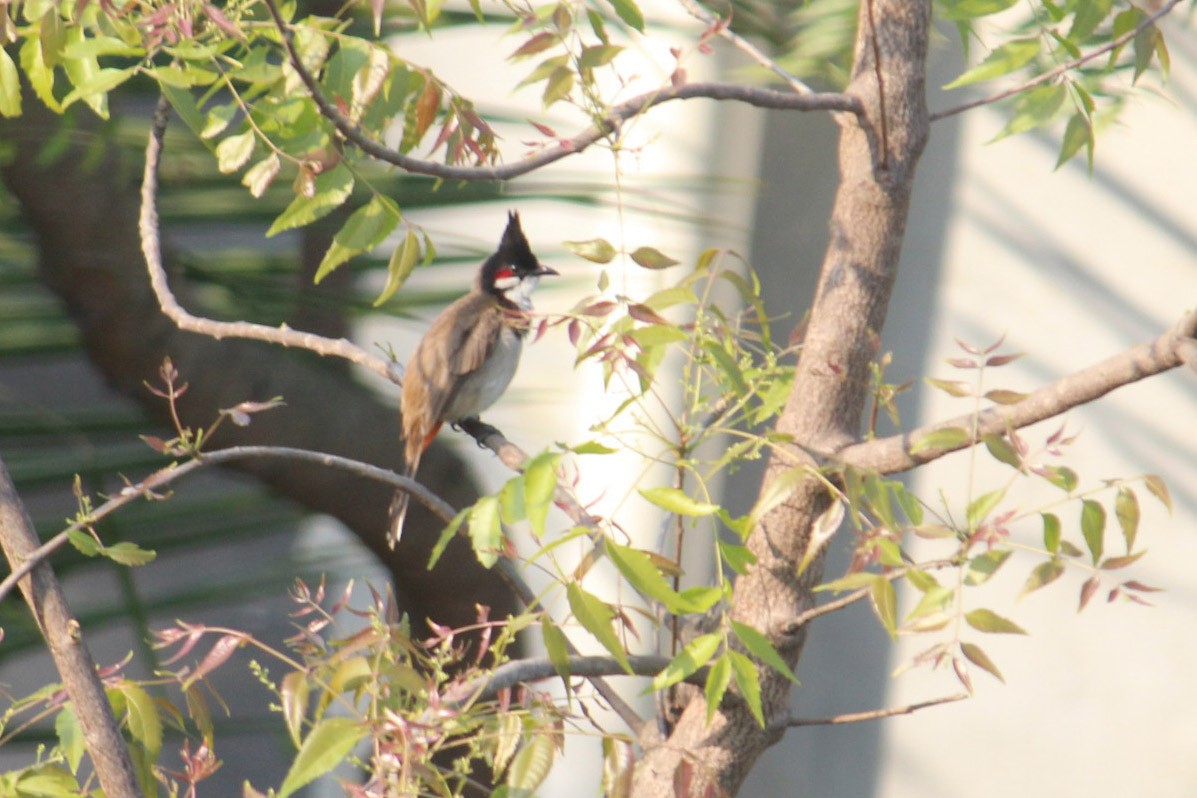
(542, 270)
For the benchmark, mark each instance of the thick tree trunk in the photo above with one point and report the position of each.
(877, 157)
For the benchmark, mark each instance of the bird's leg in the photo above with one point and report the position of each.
(477, 429)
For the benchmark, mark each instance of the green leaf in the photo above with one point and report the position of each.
(943, 438)
(982, 567)
(294, 691)
(980, 508)
(403, 261)
(737, 557)
(1043, 575)
(1002, 61)
(234, 152)
(1159, 489)
(775, 492)
(759, 646)
(1062, 477)
(1126, 509)
(749, 682)
(511, 501)
(446, 535)
(677, 501)
(630, 13)
(718, 678)
(486, 532)
(1114, 563)
(1003, 396)
(368, 227)
(1078, 133)
(966, 10)
(1093, 527)
(1002, 450)
(850, 582)
(127, 553)
(540, 486)
(727, 365)
(1089, 15)
(94, 90)
(1033, 109)
(558, 86)
(954, 388)
(1051, 532)
(596, 250)
(40, 74)
(638, 569)
(43, 781)
(531, 765)
(142, 717)
(596, 616)
(979, 658)
(84, 542)
(990, 622)
(694, 655)
(598, 55)
(325, 747)
(556, 645)
(259, 176)
(651, 258)
(100, 45)
(70, 736)
(885, 603)
(10, 86)
(330, 191)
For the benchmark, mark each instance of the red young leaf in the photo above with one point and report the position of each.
(1088, 590)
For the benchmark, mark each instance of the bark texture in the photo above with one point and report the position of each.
(64, 639)
(83, 212)
(878, 152)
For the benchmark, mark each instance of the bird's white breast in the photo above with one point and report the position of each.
(483, 387)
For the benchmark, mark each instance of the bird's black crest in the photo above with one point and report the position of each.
(514, 249)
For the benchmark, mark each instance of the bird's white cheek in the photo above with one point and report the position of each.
(520, 291)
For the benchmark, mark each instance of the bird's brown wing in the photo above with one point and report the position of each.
(457, 343)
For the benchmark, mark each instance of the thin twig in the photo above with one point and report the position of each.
(895, 454)
(281, 335)
(752, 95)
(794, 625)
(1060, 70)
(174, 472)
(748, 48)
(876, 714)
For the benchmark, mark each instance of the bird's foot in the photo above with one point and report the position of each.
(477, 429)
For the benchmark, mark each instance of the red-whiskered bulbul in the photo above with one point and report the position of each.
(468, 356)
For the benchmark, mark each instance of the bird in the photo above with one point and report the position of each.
(466, 359)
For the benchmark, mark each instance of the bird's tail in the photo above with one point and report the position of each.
(399, 508)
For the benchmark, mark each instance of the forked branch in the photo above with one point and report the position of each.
(152, 249)
(751, 95)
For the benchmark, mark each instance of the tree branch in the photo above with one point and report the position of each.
(875, 714)
(751, 95)
(1052, 74)
(174, 472)
(282, 336)
(534, 669)
(101, 734)
(893, 454)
